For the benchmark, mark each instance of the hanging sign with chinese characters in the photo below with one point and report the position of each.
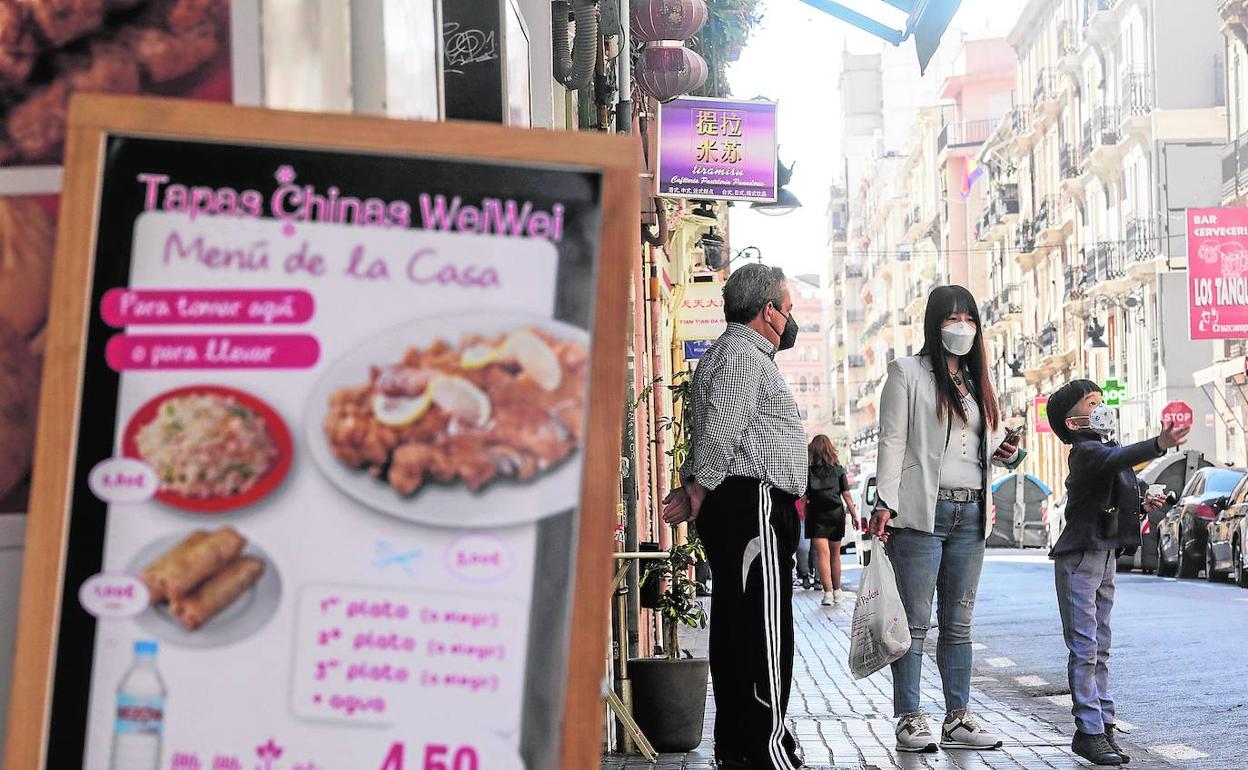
(700, 311)
(718, 149)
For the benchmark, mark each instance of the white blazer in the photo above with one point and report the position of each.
(913, 440)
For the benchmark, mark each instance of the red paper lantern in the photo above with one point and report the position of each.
(654, 20)
(668, 71)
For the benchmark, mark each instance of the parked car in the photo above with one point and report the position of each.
(1015, 522)
(1172, 471)
(865, 499)
(1184, 531)
(1228, 534)
(1054, 523)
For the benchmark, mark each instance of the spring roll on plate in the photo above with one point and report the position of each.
(151, 574)
(220, 591)
(201, 561)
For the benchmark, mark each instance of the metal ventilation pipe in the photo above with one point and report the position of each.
(575, 58)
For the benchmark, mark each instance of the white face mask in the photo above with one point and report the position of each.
(958, 338)
(1102, 420)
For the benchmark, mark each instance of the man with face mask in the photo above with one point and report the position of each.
(744, 472)
(1102, 521)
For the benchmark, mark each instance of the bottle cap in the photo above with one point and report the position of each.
(144, 647)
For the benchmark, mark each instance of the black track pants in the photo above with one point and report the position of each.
(750, 532)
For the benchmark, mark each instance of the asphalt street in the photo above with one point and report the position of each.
(1179, 669)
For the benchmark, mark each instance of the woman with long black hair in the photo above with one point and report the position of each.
(940, 432)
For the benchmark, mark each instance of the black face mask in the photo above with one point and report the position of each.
(788, 338)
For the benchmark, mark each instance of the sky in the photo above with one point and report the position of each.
(793, 57)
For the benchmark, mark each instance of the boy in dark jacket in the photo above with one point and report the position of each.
(1103, 506)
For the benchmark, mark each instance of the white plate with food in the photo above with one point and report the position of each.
(457, 421)
(208, 587)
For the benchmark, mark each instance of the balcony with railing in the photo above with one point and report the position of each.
(1104, 263)
(1048, 213)
(1001, 206)
(865, 438)
(970, 133)
(1020, 120)
(1103, 129)
(1045, 89)
(1074, 281)
(1025, 237)
(879, 323)
(1141, 244)
(1137, 94)
(1067, 38)
(854, 271)
(1068, 158)
(913, 217)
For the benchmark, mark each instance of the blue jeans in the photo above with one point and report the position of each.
(805, 558)
(945, 564)
(1085, 598)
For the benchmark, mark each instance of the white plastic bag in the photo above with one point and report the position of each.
(881, 632)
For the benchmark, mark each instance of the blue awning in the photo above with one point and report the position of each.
(1043, 487)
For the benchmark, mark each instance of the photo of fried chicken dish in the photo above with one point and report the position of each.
(51, 49)
(484, 408)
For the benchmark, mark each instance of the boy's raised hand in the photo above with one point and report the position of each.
(1173, 435)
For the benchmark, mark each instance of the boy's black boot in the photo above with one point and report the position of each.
(1110, 731)
(1095, 749)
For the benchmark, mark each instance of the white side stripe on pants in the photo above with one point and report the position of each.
(771, 625)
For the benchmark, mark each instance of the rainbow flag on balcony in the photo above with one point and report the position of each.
(969, 177)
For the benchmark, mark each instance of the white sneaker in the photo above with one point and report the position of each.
(838, 596)
(829, 599)
(964, 732)
(914, 735)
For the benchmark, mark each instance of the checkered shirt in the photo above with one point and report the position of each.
(745, 420)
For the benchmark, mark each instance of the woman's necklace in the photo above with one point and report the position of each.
(957, 378)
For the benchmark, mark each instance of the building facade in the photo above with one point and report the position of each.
(805, 365)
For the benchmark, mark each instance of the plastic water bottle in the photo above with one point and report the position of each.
(140, 713)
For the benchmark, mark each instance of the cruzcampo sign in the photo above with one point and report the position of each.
(718, 149)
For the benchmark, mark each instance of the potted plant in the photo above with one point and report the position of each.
(669, 692)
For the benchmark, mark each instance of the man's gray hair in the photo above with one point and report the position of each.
(749, 289)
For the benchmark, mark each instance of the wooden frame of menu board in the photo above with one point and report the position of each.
(93, 120)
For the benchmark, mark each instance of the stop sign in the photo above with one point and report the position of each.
(1177, 413)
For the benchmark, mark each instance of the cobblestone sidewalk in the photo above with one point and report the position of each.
(843, 723)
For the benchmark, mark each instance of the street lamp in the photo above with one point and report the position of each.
(1132, 304)
(1096, 335)
(752, 252)
(785, 202)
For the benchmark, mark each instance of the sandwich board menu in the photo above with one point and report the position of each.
(327, 445)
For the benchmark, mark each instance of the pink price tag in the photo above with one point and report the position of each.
(128, 352)
(235, 307)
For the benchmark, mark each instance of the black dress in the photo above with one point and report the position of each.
(825, 508)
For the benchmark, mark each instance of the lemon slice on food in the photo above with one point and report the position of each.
(478, 356)
(535, 358)
(461, 398)
(399, 411)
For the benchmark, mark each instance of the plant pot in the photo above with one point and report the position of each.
(669, 700)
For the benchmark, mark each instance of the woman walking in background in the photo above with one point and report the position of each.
(940, 431)
(827, 499)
